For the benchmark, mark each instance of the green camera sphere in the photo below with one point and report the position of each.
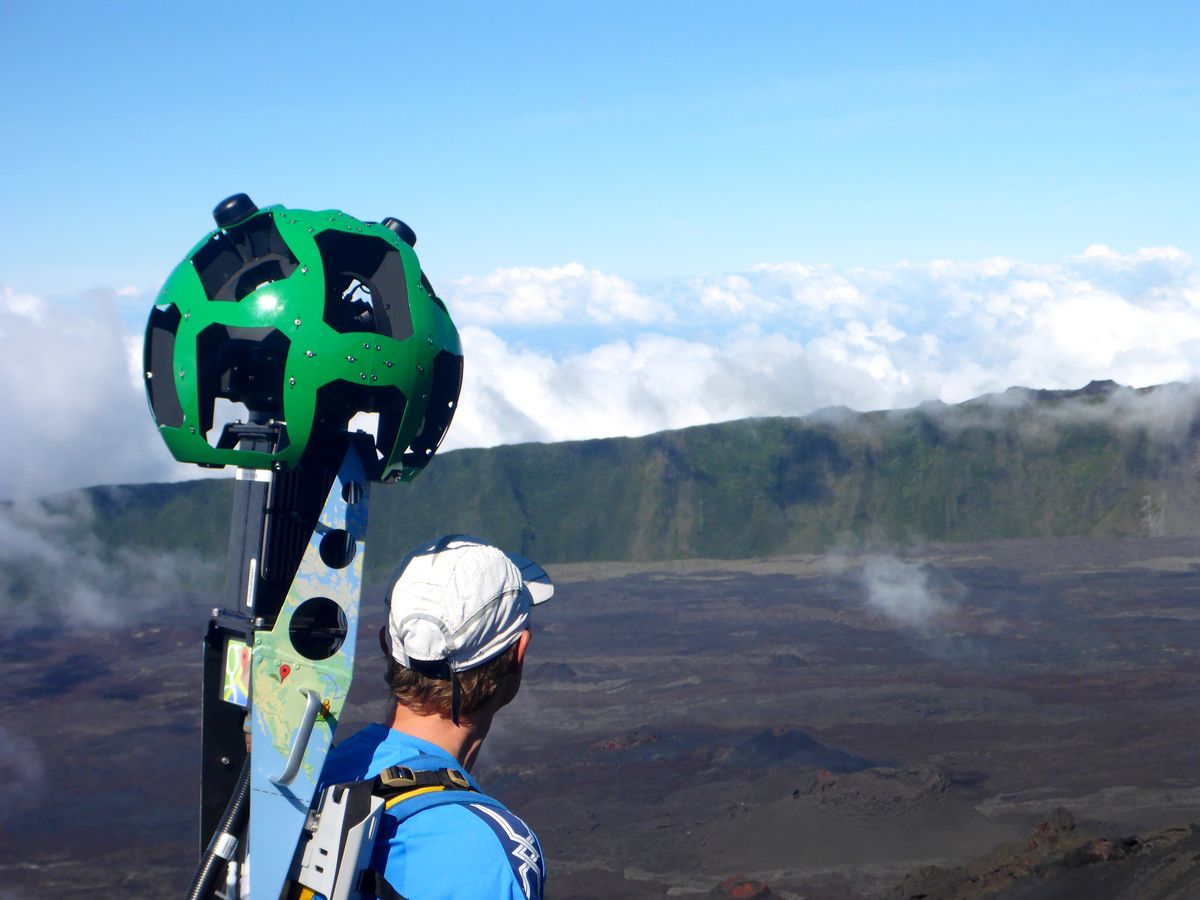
(303, 319)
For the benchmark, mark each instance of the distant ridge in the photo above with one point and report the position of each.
(1104, 460)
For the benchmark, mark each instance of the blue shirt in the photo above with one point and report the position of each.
(456, 851)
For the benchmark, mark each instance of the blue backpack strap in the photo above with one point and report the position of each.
(518, 842)
(405, 804)
(403, 808)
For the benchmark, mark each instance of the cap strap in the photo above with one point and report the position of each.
(431, 668)
(455, 696)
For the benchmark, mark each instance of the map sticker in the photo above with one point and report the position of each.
(236, 688)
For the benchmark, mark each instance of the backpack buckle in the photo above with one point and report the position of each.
(398, 777)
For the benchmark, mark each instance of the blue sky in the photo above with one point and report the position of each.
(641, 215)
(651, 140)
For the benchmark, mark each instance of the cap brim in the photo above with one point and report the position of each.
(541, 588)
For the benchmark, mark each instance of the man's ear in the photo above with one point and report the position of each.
(512, 684)
(522, 644)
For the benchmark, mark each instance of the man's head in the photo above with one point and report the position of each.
(458, 620)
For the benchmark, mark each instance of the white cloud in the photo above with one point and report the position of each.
(54, 567)
(779, 292)
(902, 592)
(568, 352)
(556, 295)
(651, 383)
(72, 408)
(789, 338)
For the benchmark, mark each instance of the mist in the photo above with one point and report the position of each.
(56, 571)
(901, 591)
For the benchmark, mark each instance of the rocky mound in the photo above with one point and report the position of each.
(878, 791)
(1058, 860)
(792, 747)
(739, 887)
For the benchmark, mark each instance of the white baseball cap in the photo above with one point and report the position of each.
(459, 602)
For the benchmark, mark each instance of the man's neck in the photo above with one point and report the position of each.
(462, 741)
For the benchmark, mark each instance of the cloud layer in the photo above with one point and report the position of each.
(789, 338)
(54, 568)
(71, 403)
(568, 352)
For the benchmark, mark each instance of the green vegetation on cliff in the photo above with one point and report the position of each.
(1102, 461)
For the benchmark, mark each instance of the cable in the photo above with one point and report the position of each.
(224, 840)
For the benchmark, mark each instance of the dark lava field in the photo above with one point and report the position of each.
(1008, 719)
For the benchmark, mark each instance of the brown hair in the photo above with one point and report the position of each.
(428, 695)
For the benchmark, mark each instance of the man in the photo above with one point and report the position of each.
(457, 632)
